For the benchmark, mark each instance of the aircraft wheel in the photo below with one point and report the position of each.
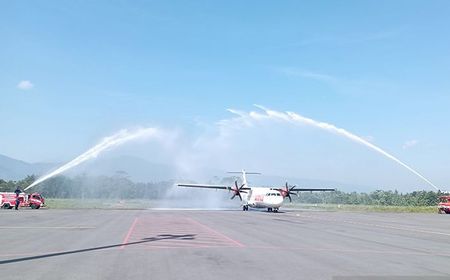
(275, 210)
(269, 209)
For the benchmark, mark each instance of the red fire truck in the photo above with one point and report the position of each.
(444, 204)
(34, 200)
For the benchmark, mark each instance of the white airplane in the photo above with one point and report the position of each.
(254, 197)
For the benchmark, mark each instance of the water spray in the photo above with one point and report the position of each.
(295, 118)
(109, 142)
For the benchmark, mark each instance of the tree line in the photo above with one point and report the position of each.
(120, 186)
(84, 186)
(378, 197)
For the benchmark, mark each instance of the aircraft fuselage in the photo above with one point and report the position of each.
(263, 198)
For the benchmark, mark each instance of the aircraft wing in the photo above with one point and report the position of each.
(217, 187)
(312, 190)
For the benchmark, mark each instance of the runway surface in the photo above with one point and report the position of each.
(166, 244)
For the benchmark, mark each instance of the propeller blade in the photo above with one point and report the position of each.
(237, 191)
(287, 192)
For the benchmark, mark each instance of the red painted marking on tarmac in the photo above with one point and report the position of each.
(127, 237)
(174, 231)
(218, 233)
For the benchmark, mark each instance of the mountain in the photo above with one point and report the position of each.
(13, 169)
(136, 168)
(141, 170)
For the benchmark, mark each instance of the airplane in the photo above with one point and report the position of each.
(254, 197)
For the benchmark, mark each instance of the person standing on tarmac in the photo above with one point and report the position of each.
(17, 191)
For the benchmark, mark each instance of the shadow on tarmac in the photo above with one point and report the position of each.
(144, 240)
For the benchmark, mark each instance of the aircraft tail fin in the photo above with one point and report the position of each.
(244, 175)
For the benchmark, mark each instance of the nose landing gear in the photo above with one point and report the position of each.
(245, 208)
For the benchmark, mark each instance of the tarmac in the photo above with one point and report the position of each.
(188, 244)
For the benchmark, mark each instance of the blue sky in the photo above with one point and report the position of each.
(72, 72)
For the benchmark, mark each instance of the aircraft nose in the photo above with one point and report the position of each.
(280, 200)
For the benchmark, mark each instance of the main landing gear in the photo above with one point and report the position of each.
(272, 210)
(245, 208)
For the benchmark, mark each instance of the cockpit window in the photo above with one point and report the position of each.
(273, 194)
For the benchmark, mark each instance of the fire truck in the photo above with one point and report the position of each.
(34, 200)
(444, 204)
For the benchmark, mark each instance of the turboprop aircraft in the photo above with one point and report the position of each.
(254, 197)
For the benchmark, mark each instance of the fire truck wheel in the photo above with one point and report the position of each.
(34, 206)
(6, 206)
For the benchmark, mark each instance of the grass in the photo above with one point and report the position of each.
(68, 203)
(60, 203)
(366, 208)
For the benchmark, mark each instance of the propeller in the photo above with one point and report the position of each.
(237, 191)
(288, 191)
